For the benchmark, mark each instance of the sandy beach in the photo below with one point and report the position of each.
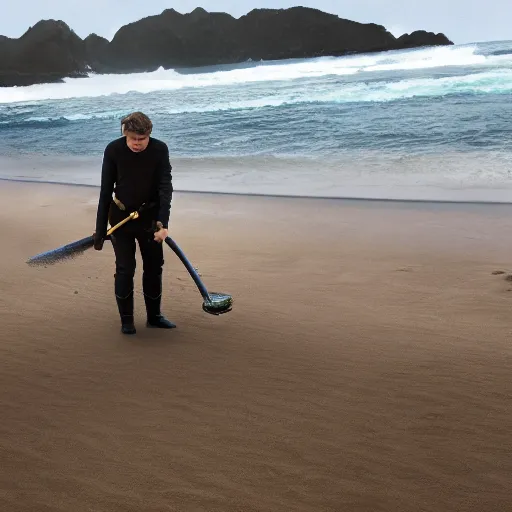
(366, 365)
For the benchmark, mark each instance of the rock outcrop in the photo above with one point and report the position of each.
(422, 38)
(51, 51)
(46, 52)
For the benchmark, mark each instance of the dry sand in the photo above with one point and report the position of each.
(366, 365)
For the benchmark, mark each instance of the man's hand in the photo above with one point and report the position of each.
(161, 234)
(98, 242)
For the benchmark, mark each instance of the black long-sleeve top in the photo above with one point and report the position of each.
(136, 178)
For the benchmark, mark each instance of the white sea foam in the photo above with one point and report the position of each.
(168, 80)
(497, 81)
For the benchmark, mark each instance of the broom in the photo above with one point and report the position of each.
(213, 303)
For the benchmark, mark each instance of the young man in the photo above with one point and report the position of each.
(137, 169)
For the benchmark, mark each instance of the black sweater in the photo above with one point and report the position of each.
(136, 178)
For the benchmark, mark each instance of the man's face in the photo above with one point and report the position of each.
(136, 142)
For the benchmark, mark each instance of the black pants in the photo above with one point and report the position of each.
(124, 244)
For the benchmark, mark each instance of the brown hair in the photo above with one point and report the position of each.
(136, 122)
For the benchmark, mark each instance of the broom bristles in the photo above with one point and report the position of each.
(65, 252)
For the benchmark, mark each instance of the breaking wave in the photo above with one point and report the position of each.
(357, 67)
(496, 82)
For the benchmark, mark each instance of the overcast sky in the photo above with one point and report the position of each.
(463, 21)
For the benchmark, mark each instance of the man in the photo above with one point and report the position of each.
(137, 169)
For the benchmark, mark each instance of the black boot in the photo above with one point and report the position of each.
(152, 288)
(125, 306)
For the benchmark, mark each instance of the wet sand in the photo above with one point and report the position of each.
(366, 365)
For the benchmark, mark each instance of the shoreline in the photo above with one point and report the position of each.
(272, 176)
(345, 199)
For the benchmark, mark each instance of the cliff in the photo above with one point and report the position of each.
(51, 51)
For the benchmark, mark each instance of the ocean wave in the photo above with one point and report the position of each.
(74, 117)
(496, 82)
(168, 80)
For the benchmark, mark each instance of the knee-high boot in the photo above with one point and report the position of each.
(125, 303)
(152, 289)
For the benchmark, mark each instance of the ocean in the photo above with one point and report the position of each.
(422, 124)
